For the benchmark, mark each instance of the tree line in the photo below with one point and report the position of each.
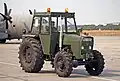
(100, 27)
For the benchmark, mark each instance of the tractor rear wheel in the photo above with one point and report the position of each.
(96, 67)
(31, 55)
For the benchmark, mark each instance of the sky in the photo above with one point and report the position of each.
(87, 11)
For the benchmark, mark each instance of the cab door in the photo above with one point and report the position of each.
(49, 35)
(45, 34)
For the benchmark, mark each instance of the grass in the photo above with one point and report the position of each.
(103, 32)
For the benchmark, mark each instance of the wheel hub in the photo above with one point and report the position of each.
(61, 64)
(28, 54)
(94, 65)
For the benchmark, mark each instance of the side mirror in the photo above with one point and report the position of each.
(30, 12)
(79, 31)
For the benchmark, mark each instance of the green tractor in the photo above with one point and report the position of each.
(54, 37)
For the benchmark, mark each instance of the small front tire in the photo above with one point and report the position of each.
(96, 67)
(63, 63)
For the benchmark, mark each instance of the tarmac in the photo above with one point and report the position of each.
(109, 46)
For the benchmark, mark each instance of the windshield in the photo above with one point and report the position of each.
(68, 24)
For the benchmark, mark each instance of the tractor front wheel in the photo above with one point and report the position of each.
(96, 67)
(63, 63)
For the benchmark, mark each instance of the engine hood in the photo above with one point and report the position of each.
(71, 37)
(74, 42)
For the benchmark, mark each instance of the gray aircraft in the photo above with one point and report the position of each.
(12, 25)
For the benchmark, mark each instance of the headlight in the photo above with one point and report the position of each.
(6, 31)
(87, 39)
(82, 47)
(90, 47)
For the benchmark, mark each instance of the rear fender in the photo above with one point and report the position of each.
(30, 36)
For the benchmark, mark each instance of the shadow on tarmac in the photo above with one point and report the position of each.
(110, 73)
(47, 71)
(105, 73)
(77, 73)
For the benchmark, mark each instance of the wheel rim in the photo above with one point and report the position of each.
(28, 54)
(60, 64)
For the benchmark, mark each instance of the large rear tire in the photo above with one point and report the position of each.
(31, 55)
(63, 63)
(96, 67)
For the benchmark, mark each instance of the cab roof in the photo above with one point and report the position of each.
(55, 14)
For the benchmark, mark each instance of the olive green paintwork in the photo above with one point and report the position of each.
(45, 41)
(76, 42)
(49, 42)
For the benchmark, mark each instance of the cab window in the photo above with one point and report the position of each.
(45, 25)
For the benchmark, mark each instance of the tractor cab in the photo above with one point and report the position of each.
(48, 22)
